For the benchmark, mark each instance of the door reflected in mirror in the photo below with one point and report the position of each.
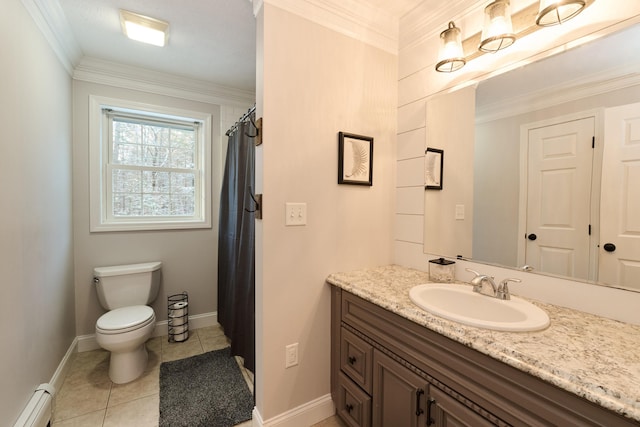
(556, 167)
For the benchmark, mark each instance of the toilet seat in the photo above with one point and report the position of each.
(125, 319)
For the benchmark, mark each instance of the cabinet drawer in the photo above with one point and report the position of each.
(356, 359)
(353, 405)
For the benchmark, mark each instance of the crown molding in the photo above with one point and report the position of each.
(354, 18)
(52, 23)
(134, 78)
(618, 79)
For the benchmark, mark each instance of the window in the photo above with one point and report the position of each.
(150, 167)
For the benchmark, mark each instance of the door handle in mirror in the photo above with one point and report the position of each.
(609, 247)
(532, 236)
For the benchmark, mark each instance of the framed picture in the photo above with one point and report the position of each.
(355, 159)
(433, 167)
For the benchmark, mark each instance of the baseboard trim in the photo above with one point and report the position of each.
(304, 415)
(63, 367)
(197, 321)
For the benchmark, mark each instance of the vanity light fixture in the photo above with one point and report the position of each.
(554, 12)
(451, 56)
(144, 29)
(497, 32)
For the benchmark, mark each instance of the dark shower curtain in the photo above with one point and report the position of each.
(236, 254)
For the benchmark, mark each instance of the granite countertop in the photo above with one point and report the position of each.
(591, 356)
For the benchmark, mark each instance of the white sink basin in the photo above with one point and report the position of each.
(460, 304)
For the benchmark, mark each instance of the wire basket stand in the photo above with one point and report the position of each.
(178, 313)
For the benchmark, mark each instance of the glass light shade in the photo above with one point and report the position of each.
(451, 56)
(497, 32)
(144, 29)
(554, 12)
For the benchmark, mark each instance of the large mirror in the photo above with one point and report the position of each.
(556, 166)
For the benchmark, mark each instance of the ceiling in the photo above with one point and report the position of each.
(209, 40)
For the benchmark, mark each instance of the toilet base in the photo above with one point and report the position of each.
(126, 366)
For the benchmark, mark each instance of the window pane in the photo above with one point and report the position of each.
(181, 158)
(156, 205)
(183, 138)
(156, 135)
(182, 204)
(126, 181)
(155, 156)
(156, 182)
(127, 133)
(127, 204)
(126, 143)
(183, 183)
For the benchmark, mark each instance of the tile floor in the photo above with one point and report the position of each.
(88, 398)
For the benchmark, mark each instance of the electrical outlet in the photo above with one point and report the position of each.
(291, 355)
(296, 214)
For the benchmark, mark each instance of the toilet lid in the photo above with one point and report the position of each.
(125, 319)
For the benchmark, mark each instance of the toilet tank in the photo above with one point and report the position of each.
(125, 285)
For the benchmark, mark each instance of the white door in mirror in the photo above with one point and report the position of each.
(619, 253)
(558, 211)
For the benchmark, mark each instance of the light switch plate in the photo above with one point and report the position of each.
(291, 355)
(295, 214)
(459, 212)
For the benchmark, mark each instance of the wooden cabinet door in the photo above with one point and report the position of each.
(445, 411)
(399, 395)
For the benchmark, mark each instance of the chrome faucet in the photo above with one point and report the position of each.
(479, 281)
(503, 289)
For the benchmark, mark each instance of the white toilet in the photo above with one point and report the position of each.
(125, 290)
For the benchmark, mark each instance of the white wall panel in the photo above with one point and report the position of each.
(411, 172)
(411, 144)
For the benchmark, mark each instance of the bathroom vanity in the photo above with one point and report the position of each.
(394, 364)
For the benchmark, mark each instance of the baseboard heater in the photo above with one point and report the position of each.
(37, 413)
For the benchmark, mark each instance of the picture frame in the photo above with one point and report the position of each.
(355, 159)
(433, 168)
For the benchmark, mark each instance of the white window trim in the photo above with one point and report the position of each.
(99, 220)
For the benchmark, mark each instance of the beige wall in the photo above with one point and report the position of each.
(313, 83)
(418, 82)
(189, 257)
(36, 247)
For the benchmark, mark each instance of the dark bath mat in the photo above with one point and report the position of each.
(207, 390)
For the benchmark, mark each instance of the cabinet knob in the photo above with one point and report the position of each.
(352, 360)
(349, 407)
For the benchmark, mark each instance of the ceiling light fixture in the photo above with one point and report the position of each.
(451, 57)
(554, 12)
(144, 29)
(497, 32)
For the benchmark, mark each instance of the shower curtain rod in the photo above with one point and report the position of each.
(240, 120)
